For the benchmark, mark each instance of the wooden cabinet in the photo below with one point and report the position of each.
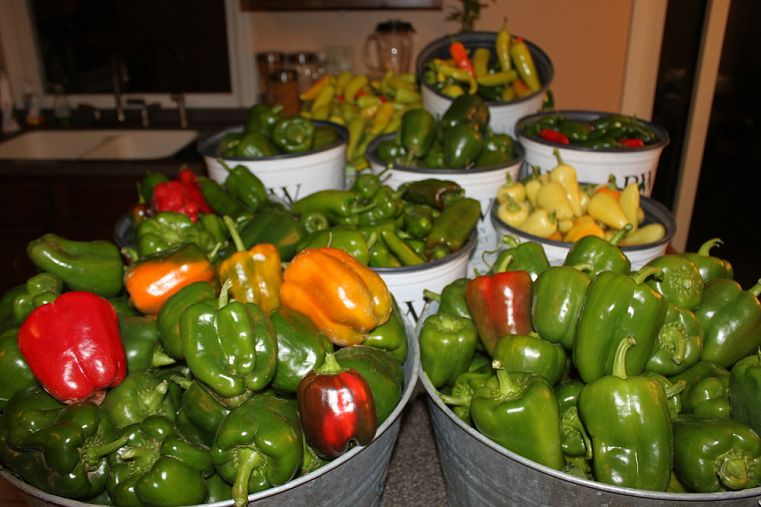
(81, 208)
(312, 5)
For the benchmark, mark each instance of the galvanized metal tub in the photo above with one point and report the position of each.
(287, 176)
(479, 472)
(355, 479)
(479, 183)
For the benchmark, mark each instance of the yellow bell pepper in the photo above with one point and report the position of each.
(513, 189)
(541, 222)
(629, 202)
(605, 208)
(552, 196)
(512, 212)
(649, 233)
(585, 225)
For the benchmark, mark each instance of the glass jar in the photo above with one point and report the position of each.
(266, 62)
(308, 67)
(282, 88)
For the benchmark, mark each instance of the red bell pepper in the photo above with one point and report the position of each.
(73, 346)
(337, 408)
(189, 180)
(182, 195)
(500, 305)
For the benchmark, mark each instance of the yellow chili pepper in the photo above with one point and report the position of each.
(520, 88)
(481, 58)
(458, 75)
(512, 212)
(497, 78)
(355, 84)
(453, 91)
(314, 90)
(502, 47)
(508, 94)
(320, 113)
(356, 128)
(605, 208)
(584, 198)
(324, 97)
(552, 196)
(565, 175)
(629, 202)
(382, 118)
(406, 96)
(342, 80)
(649, 233)
(541, 222)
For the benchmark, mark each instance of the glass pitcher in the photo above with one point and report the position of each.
(389, 47)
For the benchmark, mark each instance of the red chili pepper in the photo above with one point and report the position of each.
(500, 305)
(554, 136)
(337, 409)
(460, 56)
(632, 142)
(73, 346)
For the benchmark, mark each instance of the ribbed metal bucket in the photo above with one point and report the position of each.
(288, 176)
(479, 472)
(355, 479)
(479, 183)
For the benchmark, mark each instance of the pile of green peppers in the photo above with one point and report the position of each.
(268, 132)
(607, 131)
(461, 139)
(382, 227)
(648, 379)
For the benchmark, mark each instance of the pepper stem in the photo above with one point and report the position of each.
(330, 366)
(455, 401)
(508, 388)
(673, 339)
(155, 397)
(233, 230)
(161, 358)
(619, 360)
(733, 472)
(675, 388)
(248, 460)
(510, 240)
(181, 381)
(556, 152)
(503, 263)
(619, 235)
(224, 296)
(705, 248)
(428, 294)
(95, 453)
(645, 273)
(756, 289)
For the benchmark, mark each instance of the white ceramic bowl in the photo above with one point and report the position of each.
(480, 183)
(638, 255)
(288, 176)
(594, 165)
(504, 115)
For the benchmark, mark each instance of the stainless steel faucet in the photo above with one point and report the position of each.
(179, 98)
(118, 74)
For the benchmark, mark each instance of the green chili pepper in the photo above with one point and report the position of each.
(524, 63)
(222, 202)
(401, 249)
(455, 224)
(246, 187)
(418, 220)
(434, 159)
(629, 423)
(432, 192)
(417, 132)
(390, 151)
(381, 257)
(294, 134)
(227, 145)
(336, 205)
(366, 184)
(344, 237)
(384, 204)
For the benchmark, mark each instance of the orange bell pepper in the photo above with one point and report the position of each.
(150, 282)
(344, 298)
(256, 275)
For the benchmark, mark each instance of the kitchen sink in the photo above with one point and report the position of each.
(96, 144)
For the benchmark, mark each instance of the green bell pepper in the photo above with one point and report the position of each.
(710, 267)
(744, 387)
(599, 254)
(229, 345)
(391, 336)
(148, 183)
(93, 266)
(465, 385)
(168, 319)
(262, 119)
(142, 347)
(434, 158)
(418, 220)
(672, 390)
(15, 374)
(617, 306)
(227, 144)
(293, 135)
(200, 408)
(301, 347)
(461, 146)
(138, 397)
(492, 159)
(712, 455)
(390, 151)
(381, 371)
(7, 318)
(344, 237)
(467, 109)
(258, 445)
(574, 438)
(707, 391)
(244, 186)
(731, 320)
(253, 144)
(447, 344)
(530, 353)
(499, 143)
(157, 467)
(679, 280)
(39, 289)
(275, 226)
(167, 230)
(452, 299)
(680, 342)
(519, 412)
(72, 451)
(629, 423)
(556, 300)
(526, 256)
